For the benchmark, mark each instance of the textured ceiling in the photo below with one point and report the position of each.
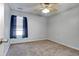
(30, 7)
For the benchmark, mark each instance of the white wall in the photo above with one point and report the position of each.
(7, 16)
(1, 20)
(37, 27)
(1, 27)
(4, 28)
(64, 28)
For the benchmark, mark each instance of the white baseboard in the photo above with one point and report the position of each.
(13, 41)
(64, 44)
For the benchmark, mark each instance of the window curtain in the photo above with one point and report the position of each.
(25, 27)
(13, 27)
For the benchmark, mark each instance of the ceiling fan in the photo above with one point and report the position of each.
(47, 7)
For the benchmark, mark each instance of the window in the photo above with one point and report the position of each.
(18, 28)
(19, 32)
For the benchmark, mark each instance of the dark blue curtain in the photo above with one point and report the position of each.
(13, 27)
(25, 27)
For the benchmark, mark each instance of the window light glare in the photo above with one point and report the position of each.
(19, 33)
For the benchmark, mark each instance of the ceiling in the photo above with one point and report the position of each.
(30, 7)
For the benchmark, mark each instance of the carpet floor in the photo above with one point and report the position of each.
(41, 48)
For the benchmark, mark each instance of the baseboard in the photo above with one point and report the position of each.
(13, 41)
(65, 44)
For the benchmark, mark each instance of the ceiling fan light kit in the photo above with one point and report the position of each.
(45, 10)
(48, 7)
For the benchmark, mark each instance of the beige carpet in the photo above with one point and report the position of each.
(41, 48)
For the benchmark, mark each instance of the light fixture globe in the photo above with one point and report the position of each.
(45, 10)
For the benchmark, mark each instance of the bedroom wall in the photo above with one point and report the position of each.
(64, 28)
(1, 27)
(37, 27)
(1, 20)
(7, 15)
(4, 28)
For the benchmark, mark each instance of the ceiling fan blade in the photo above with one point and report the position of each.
(38, 7)
(43, 5)
(53, 5)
